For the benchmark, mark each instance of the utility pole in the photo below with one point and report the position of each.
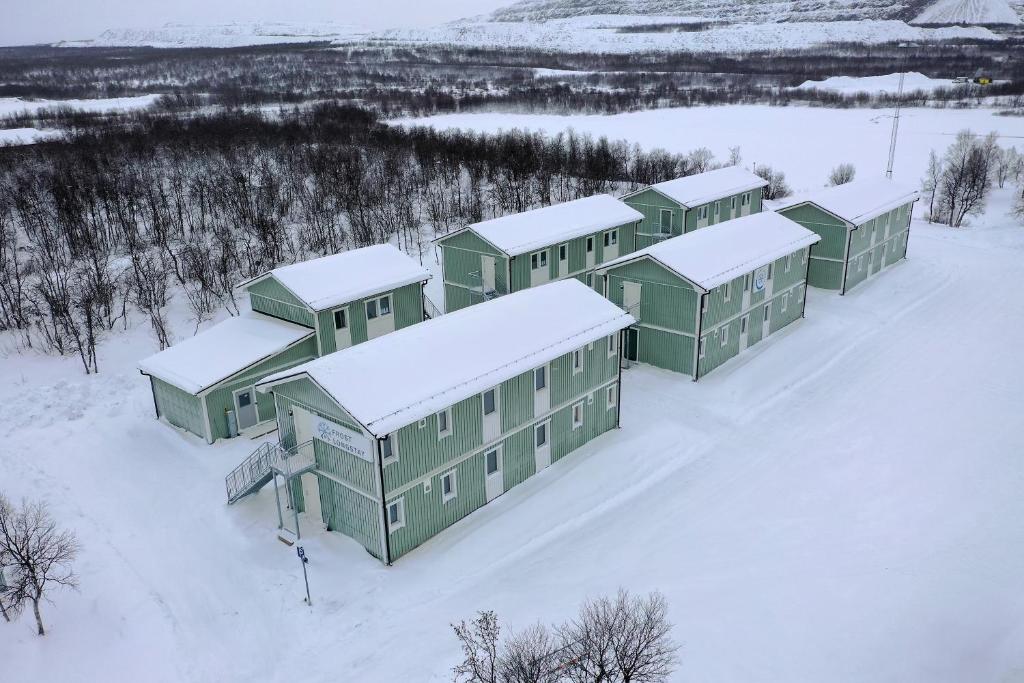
(895, 126)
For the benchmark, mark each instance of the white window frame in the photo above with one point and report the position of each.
(377, 307)
(744, 323)
(399, 506)
(452, 476)
(718, 208)
(590, 244)
(546, 426)
(612, 398)
(767, 312)
(732, 203)
(771, 270)
(388, 459)
(539, 260)
(745, 199)
(661, 221)
(577, 424)
(613, 344)
(563, 252)
(704, 303)
(577, 361)
(611, 237)
(746, 282)
(543, 370)
(447, 431)
(728, 291)
(702, 348)
(785, 303)
(725, 335)
(497, 460)
(344, 314)
(789, 262)
(702, 213)
(483, 401)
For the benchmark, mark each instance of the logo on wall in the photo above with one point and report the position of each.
(760, 278)
(343, 438)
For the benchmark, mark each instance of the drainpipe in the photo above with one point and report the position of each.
(383, 504)
(618, 386)
(152, 390)
(696, 341)
(508, 282)
(807, 272)
(846, 259)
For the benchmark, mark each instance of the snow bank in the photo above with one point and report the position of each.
(878, 84)
(968, 12)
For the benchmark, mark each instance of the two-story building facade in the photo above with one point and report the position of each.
(682, 205)
(704, 297)
(512, 253)
(864, 227)
(403, 436)
(205, 384)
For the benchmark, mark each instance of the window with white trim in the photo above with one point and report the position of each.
(490, 401)
(590, 244)
(540, 378)
(341, 319)
(702, 213)
(725, 335)
(577, 415)
(492, 462)
(665, 221)
(444, 423)
(803, 256)
(540, 435)
(539, 260)
(771, 270)
(613, 396)
(789, 261)
(728, 291)
(767, 312)
(785, 302)
(744, 321)
(732, 203)
(718, 207)
(613, 343)
(378, 307)
(590, 279)
(704, 303)
(702, 347)
(563, 252)
(449, 486)
(577, 361)
(387, 449)
(746, 282)
(611, 238)
(396, 515)
(745, 199)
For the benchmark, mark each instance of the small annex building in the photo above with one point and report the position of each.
(401, 437)
(486, 260)
(679, 206)
(206, 384)
(864, 227)
(701, 298)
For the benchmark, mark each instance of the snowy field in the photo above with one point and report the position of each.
(17, 105)
(842, 503)
(889, 83)
(234, 34)
(804, 142)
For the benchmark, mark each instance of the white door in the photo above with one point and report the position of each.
(487, 273)
(563, 260)
(542, 444)
(342, 329)
(492, 413)
(245, 408)
(311, 498)
(631, 298)
(303, 421)
(494, 478)
(541, 391)
(744, 331)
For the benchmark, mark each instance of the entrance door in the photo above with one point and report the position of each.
(744, 331)
(487, 274)
(542, 445)
(632, 350)
(342, 329)
(494, 479)
(541, 393)
(311, 498)
(245, 408)
(591, 256)
(563, 260)
(631, 298)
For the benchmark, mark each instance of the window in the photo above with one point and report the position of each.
(540, 435)
(490, 402)
(423, 423)
(611, 238)
(387, 448)
(378, 307)
(590, 244)
(577, 415)
(613, 344)
(577, 361)
(767, 312)
(613, 396)
(745, 199)
(491, 462)
(704, 303)
(785, 302)
(340, 319)
(385, 305)
(746, 282)
(539, 260)
(803, 256)
(665, 221)
(789, 261)
(590, 279)
(725, 335)
(743, 324)
(444, 423)
(371, 309)
(718, 208)
(449, 486)
(396, 515)
(540, 378)
(702, 213)
(732, 203)
(701, 348)
(563, 252)
(728, 291)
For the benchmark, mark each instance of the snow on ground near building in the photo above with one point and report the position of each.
(17, 105)
(890, 83)
(968, 12)
(600, 34)
(804, 142)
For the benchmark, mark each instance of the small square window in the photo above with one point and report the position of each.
(490, 401)
(449, 487)
(340, 319)
(577, 416)
(396, 515)
(444, 423)
(613, 396)
(540, 378)
(540, 434)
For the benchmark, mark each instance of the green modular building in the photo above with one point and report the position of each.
(701, 298)
(509, 254)
(392, 441)
(206, 384)
(864, 227)
(679, 206)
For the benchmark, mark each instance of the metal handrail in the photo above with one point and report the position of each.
(254, 467)
(430, 308)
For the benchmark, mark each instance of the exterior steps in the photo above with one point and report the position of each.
(266, 462)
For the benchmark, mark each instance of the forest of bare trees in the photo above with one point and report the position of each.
(115, 219)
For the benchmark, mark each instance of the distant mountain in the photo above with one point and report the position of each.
(987, 12)
(223, 35)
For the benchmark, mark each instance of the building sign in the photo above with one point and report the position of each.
(760, 278)
(346, 439)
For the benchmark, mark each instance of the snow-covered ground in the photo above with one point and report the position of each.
(968, 12)
(842, 503)
(25, 136)
(889, 83)
(17, 105)
(804, 142)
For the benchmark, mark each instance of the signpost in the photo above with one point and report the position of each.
(304, 560)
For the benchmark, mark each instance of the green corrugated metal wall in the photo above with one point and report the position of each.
(178, 407)
(725, 212)
(650, 203)
(271, 297)
(347, 512)
(407, 307)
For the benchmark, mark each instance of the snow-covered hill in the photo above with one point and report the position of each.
(968, 12)
(222, 35)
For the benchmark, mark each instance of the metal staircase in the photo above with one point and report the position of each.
(430, 309)
(266, 462)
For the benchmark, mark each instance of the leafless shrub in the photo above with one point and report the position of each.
(842, 174)
(777, 186)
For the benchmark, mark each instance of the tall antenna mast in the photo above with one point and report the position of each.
(895, 126)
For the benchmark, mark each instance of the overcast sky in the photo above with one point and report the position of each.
(25, 22)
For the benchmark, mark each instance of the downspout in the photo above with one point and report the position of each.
(152, 390)
(508, 283)
(846, 259)
(696, 341)
(383, 506)
(618, 386)
(807, 272)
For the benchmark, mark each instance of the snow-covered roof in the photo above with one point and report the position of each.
(334, 280)
(199, 362)
(714, 255)
(701, 188)
(401, 377)
(522, 232)
(857, 201)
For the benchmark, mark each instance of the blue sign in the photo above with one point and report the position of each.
(300, 551)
